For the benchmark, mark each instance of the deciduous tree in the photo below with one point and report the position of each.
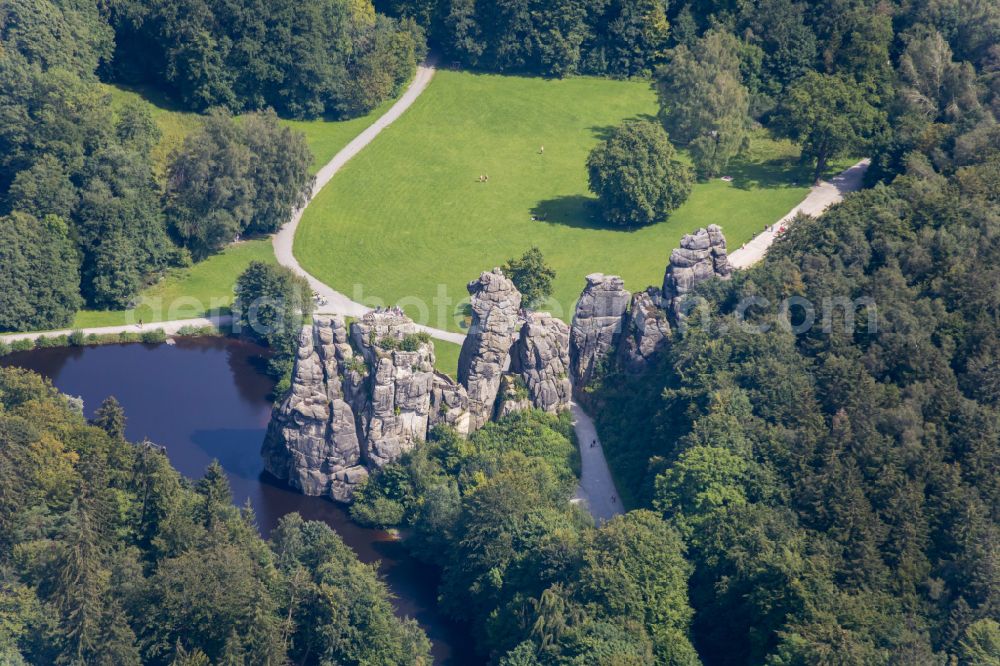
(635, 177)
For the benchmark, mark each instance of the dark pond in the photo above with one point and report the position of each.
(206, 398)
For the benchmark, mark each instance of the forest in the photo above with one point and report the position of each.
(86, 220)
(836, 487)
(798, 495)
(109, 557)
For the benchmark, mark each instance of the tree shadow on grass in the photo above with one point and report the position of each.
(577, 210)
(603, 132)
(780, 172)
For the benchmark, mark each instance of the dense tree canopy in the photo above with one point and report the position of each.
(312, 58)
(538, 582)
(836, 487)
(828, 116)
(40, 280)
(635, 176)
(57, 34)
(108, 556)
(703, 102)
(609, 37)
(231, 178)
(271, 304)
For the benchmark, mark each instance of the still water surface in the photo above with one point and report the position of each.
(206, 398)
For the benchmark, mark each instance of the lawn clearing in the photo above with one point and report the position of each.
(446, 357)
(202, 289)
(192, 291)
(407, 221)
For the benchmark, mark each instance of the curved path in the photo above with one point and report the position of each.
(822, 195)
(597, 487)
(284, 240)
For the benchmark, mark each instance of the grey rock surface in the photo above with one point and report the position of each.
(397, 412)
(646, 331)
(701, 256)
(449, 404)
(541, 360)
(597, 324)
(345, 481)
(495, 304)
(312, 435)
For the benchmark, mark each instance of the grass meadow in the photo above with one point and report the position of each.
(408, 217)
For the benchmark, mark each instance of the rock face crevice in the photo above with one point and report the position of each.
(597, 324)
(496, 305)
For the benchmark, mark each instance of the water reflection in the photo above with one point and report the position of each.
(206, 398)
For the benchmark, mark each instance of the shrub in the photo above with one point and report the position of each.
(154, 336)
(413, 341)
(77, 339)
(42, 341)
(389, 343)
(381, 512)
(357, 364)
(531, 275)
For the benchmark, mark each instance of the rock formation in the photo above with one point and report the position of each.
(401, 363)
(645, 331)
(364, 399)
(701, 255)
(486, 351)
(369, 402)
(541, 361)
(449, 404)
(312, 440)
(597, 324)
(513, 396)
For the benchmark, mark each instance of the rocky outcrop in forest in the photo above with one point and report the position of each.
(357, 401)
(362, 399)
(597, 324)
(496, 305)
(312, 441)
(606, 319)
(701, 256)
